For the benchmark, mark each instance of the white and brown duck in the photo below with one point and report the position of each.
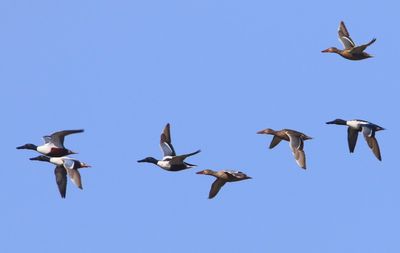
(53, 144)
(367, 128)
(170, 161)
(64, 166)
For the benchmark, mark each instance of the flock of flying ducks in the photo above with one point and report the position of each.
(54, 151)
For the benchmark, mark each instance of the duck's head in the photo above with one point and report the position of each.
(330, 50)
(205, 172)
(148, 160)
(266, 131)
(337, 122)
(28, 146)
(42, 158)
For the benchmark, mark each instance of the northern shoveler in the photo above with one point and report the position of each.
(170, 161)
(367, 128)
(64, 166)
(222, 176)
(350, 51)
(295, 139)
(53, 144)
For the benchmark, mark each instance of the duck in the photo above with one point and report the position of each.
(170, 161)
(367, 128)
(53, 144)
(222, 176)
(64, 166)
(296, 142)
(350, 51)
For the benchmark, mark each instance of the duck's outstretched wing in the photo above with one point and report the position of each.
(57, 138)
(75, 177)
(165, 142)
(369, 136)
(296, 145)
(215, 187)
(176, 160)
(352, 135)
(61, 180)
(360, 49)
(344, 36)
(275, 141)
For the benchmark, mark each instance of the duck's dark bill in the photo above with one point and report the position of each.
(38, 158)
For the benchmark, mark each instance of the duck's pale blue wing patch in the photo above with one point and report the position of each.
(69, 164)
(47, 139)
(367, 131)
(167, 149)
(50, 140)
(165, 142)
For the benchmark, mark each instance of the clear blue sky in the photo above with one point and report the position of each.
(218, 71)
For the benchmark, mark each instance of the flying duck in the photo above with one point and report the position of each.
(64, 166)
(170, 161)
(350, 51)
(222, 176)
(367, 128)
(295, 139)
(53, 144)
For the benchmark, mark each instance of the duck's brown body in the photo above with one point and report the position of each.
(283, 135)
(296, 142)
(348, 54)
(350, 51)
(222, 176)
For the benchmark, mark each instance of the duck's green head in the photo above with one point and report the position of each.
(148, 160)
(28, 146)
(337, 122)
(42, 158)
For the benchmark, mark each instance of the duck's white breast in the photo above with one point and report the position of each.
(354, 123)
(164, 164)
(44, 149)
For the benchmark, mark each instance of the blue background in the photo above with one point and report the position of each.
(218, 71)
